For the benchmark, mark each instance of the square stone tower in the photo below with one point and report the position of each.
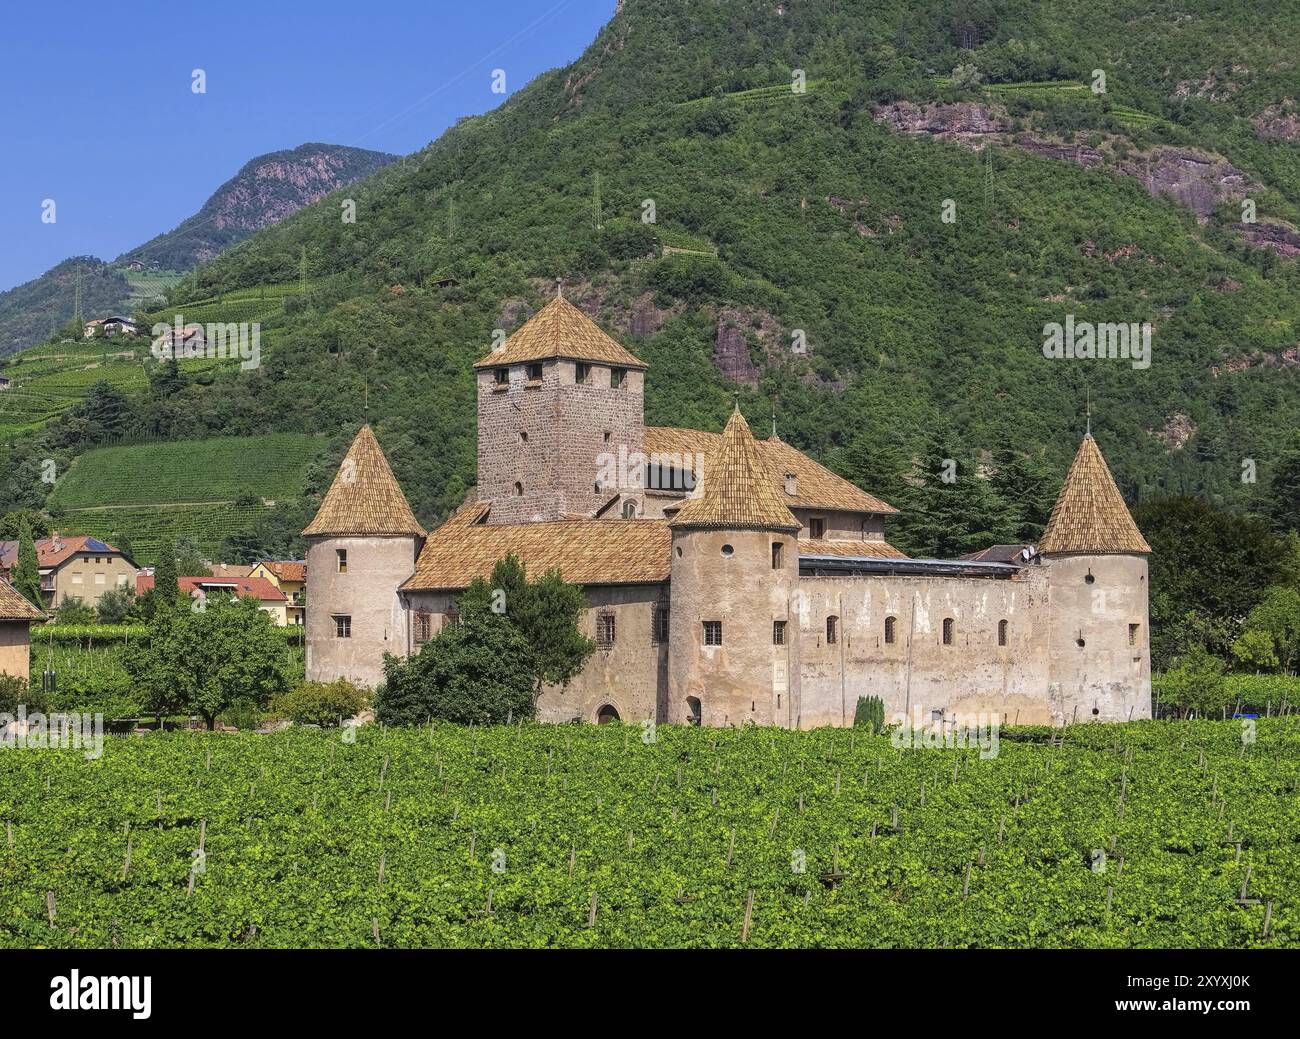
(561, 420)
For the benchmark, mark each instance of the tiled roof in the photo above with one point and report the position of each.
(1090, 514)
(231, 570)
(736, 492)
(13, 607)
(245, 587)
(816, 487)
(292, 570)
(365, 497)
(560, 329)
(606, 551)
(51, 551)
(854, 549)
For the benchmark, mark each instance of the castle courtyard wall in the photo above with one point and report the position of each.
(974, 674)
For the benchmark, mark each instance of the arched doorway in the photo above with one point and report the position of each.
(693, 710)
(607, 714)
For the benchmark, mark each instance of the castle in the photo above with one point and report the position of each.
(730, 579)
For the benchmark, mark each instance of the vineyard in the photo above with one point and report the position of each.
(1147, 834)
(272, 466)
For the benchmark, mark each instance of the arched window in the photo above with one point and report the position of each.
(947, 631)
(832, 630)
(693, 710)
(629, 509)
(891, 630)
(519, 490)
(607, 714)
(1002, 633)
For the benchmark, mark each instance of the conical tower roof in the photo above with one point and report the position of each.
(365, 497)
(737, 493)
(1090, 514)
(560, 329)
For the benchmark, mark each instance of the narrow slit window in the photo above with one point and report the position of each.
(1002, 633)
(832, 630)
(947, 631)
(778, 633)
(778, 555)
(341, 559)
(891, 630)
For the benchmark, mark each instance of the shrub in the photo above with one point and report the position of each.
(15, 692)
(320, 703)
(870, 713)
(75, 611)
(478, 671)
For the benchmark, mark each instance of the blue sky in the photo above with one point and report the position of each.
(101, 118)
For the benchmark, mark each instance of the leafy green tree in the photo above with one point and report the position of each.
(11, 524)
(1195, 683)
(1029, 487)
(167, 592)
(1272, 630)
(1208, 570)
(26, 577)
(107, 409)
(870, 713)
(115, 605)
(477, 671)
(545, 612)
(204, 661)
(73, 610)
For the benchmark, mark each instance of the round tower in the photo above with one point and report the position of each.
(733, 647)
(1099, 651)
(362, 546)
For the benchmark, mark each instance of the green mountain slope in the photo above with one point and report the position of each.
(799, 253)
(267, 188)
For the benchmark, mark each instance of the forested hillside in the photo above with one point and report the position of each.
(875, 258)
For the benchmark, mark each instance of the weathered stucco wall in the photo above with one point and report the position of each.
(367, 593)
(1099, 645)
(630, 675)
(15, 652)
(748, 678)
(918, 670)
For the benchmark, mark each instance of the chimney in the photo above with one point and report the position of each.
(791, 484)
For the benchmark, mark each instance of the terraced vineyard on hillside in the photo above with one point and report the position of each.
(201, 490)
(1146, 834)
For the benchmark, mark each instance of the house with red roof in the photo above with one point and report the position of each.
(74, 567)
(267, 596)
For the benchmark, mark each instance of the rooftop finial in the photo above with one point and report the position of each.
(1088, 410)
(559, 288)
(736, 397)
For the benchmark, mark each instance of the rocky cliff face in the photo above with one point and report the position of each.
(267, 189)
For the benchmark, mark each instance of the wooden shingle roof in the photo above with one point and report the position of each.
(816, 487)
(560, 329)
(606, 551)
(736, 492)
(13, 607)
(1090, 514)
(364, 498)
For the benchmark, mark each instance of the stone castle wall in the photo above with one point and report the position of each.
(546, 438)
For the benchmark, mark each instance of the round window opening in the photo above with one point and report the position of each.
(727, 550)
(1096, 711)
(1080, 643)
(679, 551)
(1089, 579)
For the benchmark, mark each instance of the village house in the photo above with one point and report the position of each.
(269, 598)
(111, 326)
(290, 576)
(4, 382)
(73, 567)
(16, 617)
(729, 579)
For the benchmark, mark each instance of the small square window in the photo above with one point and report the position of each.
(816, 527)
(778, 633)
(616, 377)
(342, 626)
(534, 373)
(502, 376)
(581, 373)
(713, 633)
